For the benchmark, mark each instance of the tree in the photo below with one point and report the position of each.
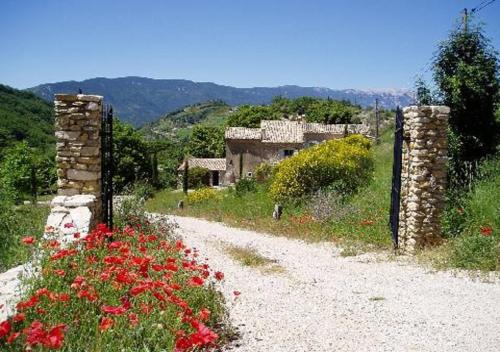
(206, 142)
(466, 73)
(132, 156)
(424, 95)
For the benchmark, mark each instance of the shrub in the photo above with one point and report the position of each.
(343, 163)
(330, 205)
(198, 177)
(263, 172)
(245, 185)
(131, 289)
(201, 195)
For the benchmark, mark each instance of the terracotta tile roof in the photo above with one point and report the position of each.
(286, 131)
(214, 164)
(243, 133)
(282, 131)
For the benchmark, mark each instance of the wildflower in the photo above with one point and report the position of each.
(486, 230)
(12, 337)
(18, 317)
(55, 337)
(68, 225)
(113, 310)
(236, 293)
(4, 328)
(204, 314)
(133, 319)
(195, 281)
(59, 272)
(219, 276)
(105, 323)
(28, 240)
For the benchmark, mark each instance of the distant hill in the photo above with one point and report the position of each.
(210, 113)
(141, 100)
(24, 116)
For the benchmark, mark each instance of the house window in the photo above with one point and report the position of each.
(288, 152)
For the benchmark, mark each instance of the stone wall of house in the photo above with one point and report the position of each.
(423, 178)
(78, 157)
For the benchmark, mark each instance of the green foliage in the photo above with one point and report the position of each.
(202, 195)
(250, 116)
(25, 117)
(206, 142)
(424, 95)
(466, 73)
(315, 110)
(263, 172)
(25, 173)
(15, 223)
(198, 177)
(344, 163)
(132, 156)
(245, 185)
(474, 219)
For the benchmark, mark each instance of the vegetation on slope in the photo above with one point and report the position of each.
(25, 117)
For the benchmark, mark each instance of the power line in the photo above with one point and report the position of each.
(482, 5)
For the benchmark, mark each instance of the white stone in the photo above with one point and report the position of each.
(81, 200)
(55, 219)
(82, 217)
(82, 175)
(67, 135)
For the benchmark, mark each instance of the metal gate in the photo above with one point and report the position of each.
(396, 176)
(107, 164)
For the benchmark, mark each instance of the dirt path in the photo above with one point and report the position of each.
(324, 302)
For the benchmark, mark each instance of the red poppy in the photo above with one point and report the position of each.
(133, 319)
(486, 231)
(69, 225)
(28, 240)
(105, 323)
(204, 314)
(59, 272)
(236, 293)
(113, 310)
(12, 337)
(4, 328)
(55, 337)
(195, 281)
(18, 317)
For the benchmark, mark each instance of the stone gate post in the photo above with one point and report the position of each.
(423, 177)
(78, 158)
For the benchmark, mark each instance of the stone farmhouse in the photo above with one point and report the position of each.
(273, 141)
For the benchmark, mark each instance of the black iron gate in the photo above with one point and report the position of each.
(396, 177)
(107, 165)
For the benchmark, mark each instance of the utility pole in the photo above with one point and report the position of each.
(377, 121)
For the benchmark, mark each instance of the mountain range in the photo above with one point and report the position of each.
(140, 100)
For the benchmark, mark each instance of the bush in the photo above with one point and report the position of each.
(201, 195)
(330, 205)
(198, 177)
(131, 289)
(343, 163)
(245, 185)
(263, 172)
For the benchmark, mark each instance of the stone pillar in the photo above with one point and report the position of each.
(423, 177)
(77, 129)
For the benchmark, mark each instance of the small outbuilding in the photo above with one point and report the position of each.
(216, 167)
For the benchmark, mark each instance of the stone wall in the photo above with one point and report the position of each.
(78, 125)
(423, 177)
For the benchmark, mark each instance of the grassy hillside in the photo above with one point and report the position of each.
(23, 116)
(210, 113)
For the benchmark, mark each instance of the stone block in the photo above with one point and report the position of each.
(81, 175)
(67, 135)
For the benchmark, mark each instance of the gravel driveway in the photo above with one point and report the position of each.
(325, 302)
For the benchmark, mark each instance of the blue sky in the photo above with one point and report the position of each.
(244, 43)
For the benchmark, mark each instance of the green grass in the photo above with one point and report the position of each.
(364, 229)
(16, 223)
(248, 256)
